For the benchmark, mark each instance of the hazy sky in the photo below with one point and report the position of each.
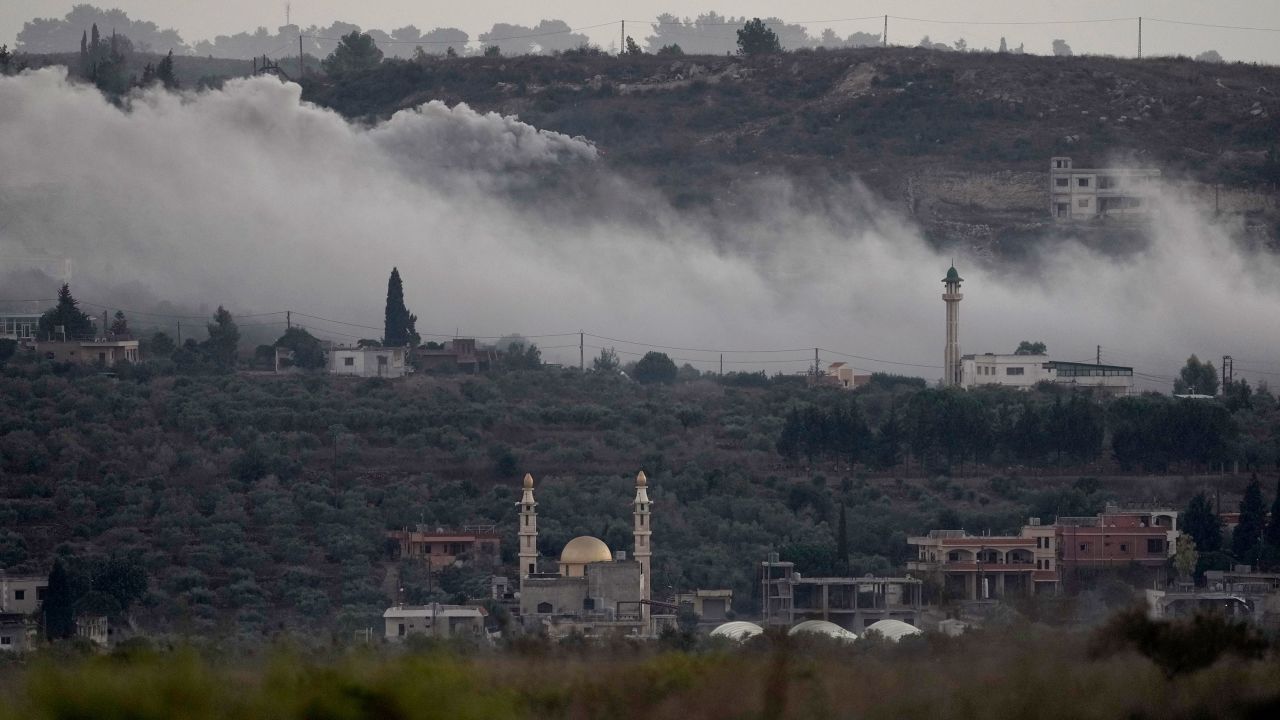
(203, 19)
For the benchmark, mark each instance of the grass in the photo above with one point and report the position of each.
(1023, 672)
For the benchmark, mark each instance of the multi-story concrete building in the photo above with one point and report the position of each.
(473, 545)
(1077, 194)
(1024, 371)
(1042, 557)
(989, 567)
(22, 593)
(1139, 539)
(852, 603)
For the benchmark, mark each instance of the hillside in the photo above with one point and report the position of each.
(959, 141)
(257, 503)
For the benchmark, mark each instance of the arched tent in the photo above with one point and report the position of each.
(737, 630)
(822, 627)
(893, 630)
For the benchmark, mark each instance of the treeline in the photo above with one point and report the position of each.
(942, 429)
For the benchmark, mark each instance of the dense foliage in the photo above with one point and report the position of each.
(255, 503)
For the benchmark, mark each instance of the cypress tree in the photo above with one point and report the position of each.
(1200, 522)
(399, 324)
(1253, 516)
(59, 604)
(842, 540)
(1272, 536)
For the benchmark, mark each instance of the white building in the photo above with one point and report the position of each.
(18, 326)
(1077, 194)
(1024, 371)
(440, 621)
(367, 361)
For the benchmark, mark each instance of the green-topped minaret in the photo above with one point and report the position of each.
(951, 356)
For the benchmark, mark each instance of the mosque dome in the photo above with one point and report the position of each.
(585, 549)
(952, 276)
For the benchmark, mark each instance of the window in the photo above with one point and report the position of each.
(349, 361)
(531, 569)
(1155, 546)
(588, 603)
(1084, 547)
(382, 359)
(6, 640)
(1082, 182)
(400, 632)
(1062, 182)
(1083, 202)
(544, 608)
(1014, 370)
(1124, 547)
(19, 594)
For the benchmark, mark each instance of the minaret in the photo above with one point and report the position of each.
(528, 531)
(643, 547)
(951, 356)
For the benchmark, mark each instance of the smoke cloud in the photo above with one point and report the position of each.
(248, 197)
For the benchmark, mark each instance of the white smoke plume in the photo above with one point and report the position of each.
(249, 198)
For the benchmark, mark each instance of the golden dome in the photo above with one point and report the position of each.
(641, 480)
(585, 549)
(528, 481)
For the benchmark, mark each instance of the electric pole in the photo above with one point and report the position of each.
(1139, 37)
(1098, 359)
(288, 319)
(300, 66)
(582, 358)
(884, 41)
(1228, 372)
(721, 364)
(622, 40)
(179, 333)
(815, 365)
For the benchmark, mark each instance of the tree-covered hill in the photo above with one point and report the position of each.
(256, 503)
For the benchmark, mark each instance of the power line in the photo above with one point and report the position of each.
(1211, 25)
(1012, 22)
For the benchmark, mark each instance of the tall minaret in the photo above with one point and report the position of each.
(643, 548)
(951, 356)
(528, 531)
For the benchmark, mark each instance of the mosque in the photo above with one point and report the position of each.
(594, 591)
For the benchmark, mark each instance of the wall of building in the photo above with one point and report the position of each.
(364, 362)
(1021, 371)
(564, 594)
(22, 594)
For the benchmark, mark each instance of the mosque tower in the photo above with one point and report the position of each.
(951, 356)
(643, 549)
(528, 530)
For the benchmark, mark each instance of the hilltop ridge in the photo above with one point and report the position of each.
(959, 141)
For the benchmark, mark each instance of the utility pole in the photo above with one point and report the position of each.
(179, 333)
(815, 365)
(721, 364)
(288, 319)
(622, 40)
(1139, 37)
(582, 358)
(301, 68)
(1228, 372)
(884, 41)
(1098, 359)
